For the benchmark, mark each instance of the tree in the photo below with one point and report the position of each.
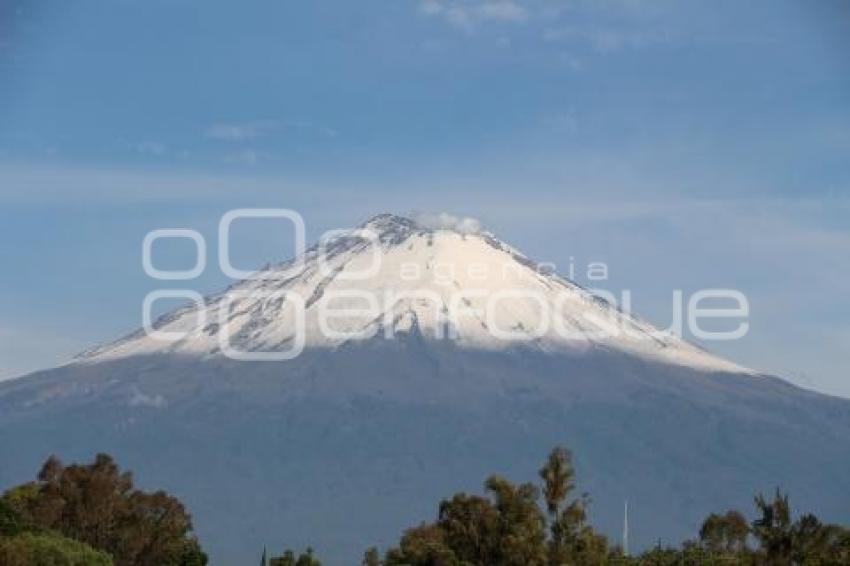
(558, 478)
(506, 529)
(10, 522)
(521, 524)
(725, 534)
(424, 545)
(97, 504)
(806, 541)
(371, 557)
(506, 526)
(193, 554)
(469, 526)
(690, 554)
(841, 547)
(571, 540)
(773, 529)
(49, 549)
(814, 542)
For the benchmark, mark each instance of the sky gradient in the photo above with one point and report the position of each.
(685, 144)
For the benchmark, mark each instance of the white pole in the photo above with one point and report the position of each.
(626, 528)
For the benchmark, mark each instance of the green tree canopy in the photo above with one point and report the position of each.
(98, 505)
(725, 534)
(49, 549)
(506, 526)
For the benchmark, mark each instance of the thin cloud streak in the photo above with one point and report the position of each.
(467, 16)
(241, 131)
(247, 131)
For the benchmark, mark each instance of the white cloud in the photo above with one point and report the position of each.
(468, 14)
(446, 221)
(310, 128)
(240, 132)
(152, 148)
(245, 131)
(431, 7)
(565, 121)
(504, 10)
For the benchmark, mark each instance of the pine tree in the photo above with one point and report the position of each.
(571, 540)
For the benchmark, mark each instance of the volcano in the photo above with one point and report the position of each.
(333, 399)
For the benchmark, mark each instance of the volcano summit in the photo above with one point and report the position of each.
(333, 398)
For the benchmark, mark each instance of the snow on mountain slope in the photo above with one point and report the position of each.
(360, 436)
(393, 275)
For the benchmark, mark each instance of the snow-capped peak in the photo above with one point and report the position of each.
(423, 221)
(437, 277)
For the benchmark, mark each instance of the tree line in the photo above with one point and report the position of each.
(93, 515)
(545, 525)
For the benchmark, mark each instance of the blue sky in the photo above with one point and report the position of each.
(686, 144)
